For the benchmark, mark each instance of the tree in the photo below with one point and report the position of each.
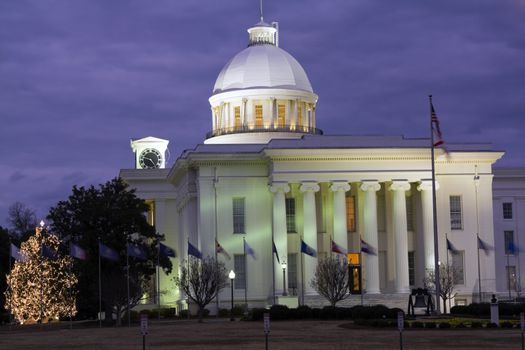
(22, 219)
(448, 277)
(41, 288)
(202, 280)
(331, 279)
(113, 213)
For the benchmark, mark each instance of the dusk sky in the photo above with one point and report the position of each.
(79, 78)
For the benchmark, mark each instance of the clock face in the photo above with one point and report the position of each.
(150, 158)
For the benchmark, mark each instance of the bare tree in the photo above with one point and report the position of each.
(331, 279)
(202, 280)
(449, 276)
(21, 218)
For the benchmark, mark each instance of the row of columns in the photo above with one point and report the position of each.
(370, 232)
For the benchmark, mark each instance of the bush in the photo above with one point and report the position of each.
(373, 312)
(224, 312)
(168, 312)
(183, 314)
(279, 312)
(238, 310)
(416, 324)
(476, 324)
(506, 324)
(303, 312)
(430, 325)
(492, 325)
(444, 325)
(257, 314)
(316, 313)
(461, 325)
(333, 313)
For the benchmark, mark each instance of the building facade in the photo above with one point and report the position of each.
(266, 175)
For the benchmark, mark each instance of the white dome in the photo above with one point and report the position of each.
(262, 66)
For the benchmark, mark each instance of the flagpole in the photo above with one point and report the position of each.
(99, 288)
(508, 275)
(434, 213)
(302, 278)
(245, 276)
(273, 259)
(158, 282)
(476, 186)
(127, 270)
(189, 316)
(216, 232)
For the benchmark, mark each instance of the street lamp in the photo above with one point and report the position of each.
(231, 275)
(283, 265)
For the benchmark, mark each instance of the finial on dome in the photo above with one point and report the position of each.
(261, 8)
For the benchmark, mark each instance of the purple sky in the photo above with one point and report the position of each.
(79, 78)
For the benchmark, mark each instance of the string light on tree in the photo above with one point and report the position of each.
(41, 288)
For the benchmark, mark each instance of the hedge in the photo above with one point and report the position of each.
(483, 309)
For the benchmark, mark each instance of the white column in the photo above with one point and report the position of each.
(425, 187)
(399, 223)
(244, 112)
(272, 112)
(340, 229)
(370, 232)
(280, 235)
(309, 232)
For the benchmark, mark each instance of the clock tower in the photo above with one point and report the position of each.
(150, 152)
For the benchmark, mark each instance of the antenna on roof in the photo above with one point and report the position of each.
(261, 8)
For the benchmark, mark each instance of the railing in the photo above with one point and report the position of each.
(252, 129)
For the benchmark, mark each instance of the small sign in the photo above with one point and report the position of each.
(522, 321)
(353, 259)
(144, 324)
(266, 323)
(400, 321)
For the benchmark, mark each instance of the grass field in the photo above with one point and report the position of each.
(222, 334)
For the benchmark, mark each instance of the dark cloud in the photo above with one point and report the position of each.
(80, 78)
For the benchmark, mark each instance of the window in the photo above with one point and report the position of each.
(238, 215)
(350, 214)
(299, 116)
(239, 266)
(290, 215)
(237, 117)
(410, 216)
(151, 212)
(458, 266)
(281, 115)
(510, 248)
(292, 273)
(511, 277)
(258, 116)
(411, 269)
(507, 210)
(456, 222)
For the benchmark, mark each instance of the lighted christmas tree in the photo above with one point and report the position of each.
(42, 287)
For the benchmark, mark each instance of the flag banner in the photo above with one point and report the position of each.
(220, 250)
(484, 246)
(192, 250)
(367, 248)
(107, 253)
(136, 252)
(306, 249)
(511, 248)
(336, 248)
(436, 130)
(76, 252)
(164, 250)
(451, 247)
(249, 250)
(16, 254)
(274, 250)
(48, 252)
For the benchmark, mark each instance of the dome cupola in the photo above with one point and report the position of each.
(262, 93)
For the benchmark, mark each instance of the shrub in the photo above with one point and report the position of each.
(416, 324)
(303, 312)
(444, 325)
(506, 324)
(461, 325)
(168, 312)
(492, 325)
(183, 313)
(476, 324)
(238, 310)
(316, 313)
(332, 313)
(279, 312)
(224, 312)
(372, 312)
(430, 324)
(257, 314)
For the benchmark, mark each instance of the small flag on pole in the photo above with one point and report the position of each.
(451, 247)
(436, 130)
(483, 246)
(136, 251)
(220, 250)
(16, 254)
(249, 250)
(336, 248)
(164, 250)
(107, 253)
(274, 250)
(511, 248)
(76, 252)
(306, 249)
(192, 250)
(367, 248)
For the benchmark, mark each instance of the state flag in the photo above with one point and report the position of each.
(192, 250)
(49, 252)
(249, 250)
(336, 248)
(76, 252)
(220, 250)
(367, 248)
(274, 250)
(451, 247)
(306, 249)
(164, 250)
(137, 252)
(16, 254)
(107, 253)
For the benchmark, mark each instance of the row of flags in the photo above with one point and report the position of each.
(106, 252)
(481, 245)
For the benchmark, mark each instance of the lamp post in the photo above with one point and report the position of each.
(231, 275)
(283, 265)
